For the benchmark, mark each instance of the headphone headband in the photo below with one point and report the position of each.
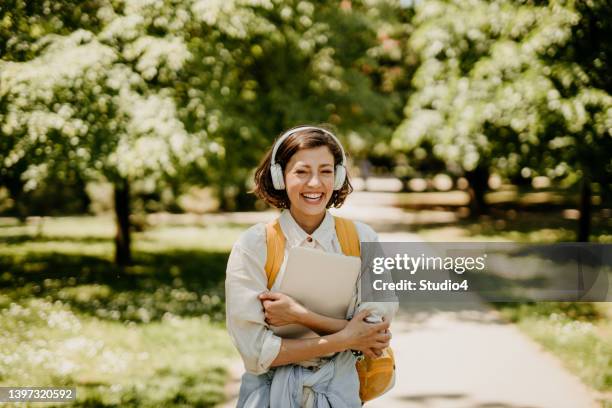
(298, 129)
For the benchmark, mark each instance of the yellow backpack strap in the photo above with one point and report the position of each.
(348, 236)
(275, 242)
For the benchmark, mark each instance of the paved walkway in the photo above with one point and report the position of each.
(461, 356)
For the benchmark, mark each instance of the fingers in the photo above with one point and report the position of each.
(382, 336)
(382, 326)
(269, 296)
(382, 344)
(372, 352)
(361, 315)
(378, 328)
(385, 335)
(381, 340)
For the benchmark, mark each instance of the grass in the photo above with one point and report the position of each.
(148, 335)
(579, 334)
(153, 335)
(510, 225)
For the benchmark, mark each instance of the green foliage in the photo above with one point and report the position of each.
(24, 23)
(172, 89)
(262, 67)
(98, 102)
(566, 310)
(506, 84)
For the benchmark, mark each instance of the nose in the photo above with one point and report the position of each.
(314, 181)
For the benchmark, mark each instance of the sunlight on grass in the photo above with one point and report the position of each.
(152, 334)
(214, 237)
(149, 335)
(113, 363)
(578, 333)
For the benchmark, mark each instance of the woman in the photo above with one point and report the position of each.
(304, 174)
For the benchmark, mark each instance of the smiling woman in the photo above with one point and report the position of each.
(310, 183)
(304, 174)
(292, 155)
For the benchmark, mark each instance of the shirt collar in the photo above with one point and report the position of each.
(296, 236)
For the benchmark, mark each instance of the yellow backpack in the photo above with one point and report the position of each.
(376, 376)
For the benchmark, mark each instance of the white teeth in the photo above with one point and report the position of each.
(313, 196)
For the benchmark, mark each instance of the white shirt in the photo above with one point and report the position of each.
(246, 279)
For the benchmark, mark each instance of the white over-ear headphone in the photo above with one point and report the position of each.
(276, 170)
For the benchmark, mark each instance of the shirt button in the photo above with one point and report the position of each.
(309, 239)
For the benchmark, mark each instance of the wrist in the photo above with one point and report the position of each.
(305, 317)
(343, 341)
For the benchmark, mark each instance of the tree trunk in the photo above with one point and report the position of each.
(584, 223)
(15, 188)
(479, 183)
(123, 253)
(224, 201)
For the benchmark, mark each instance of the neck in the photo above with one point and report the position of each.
(309, 223)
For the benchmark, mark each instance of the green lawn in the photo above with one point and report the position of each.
(153, 334)
(149, 335)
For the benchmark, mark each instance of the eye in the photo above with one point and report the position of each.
(300, 171)
(327, 171)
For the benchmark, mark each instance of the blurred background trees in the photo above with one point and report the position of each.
(493, 117)
(259, 68)
(98, 102)
(163, 95)
(513, 87)
(181, 92)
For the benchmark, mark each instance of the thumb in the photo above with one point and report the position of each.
(269, 296)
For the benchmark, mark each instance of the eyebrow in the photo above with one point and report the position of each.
(308, 165)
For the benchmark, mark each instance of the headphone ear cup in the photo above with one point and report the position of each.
(276, 171)
(339, 177)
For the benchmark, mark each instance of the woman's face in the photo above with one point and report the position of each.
(309, 179)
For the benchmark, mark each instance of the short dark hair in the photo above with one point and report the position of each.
(302, 139)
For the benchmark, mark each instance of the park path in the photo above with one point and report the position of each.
(461, 355)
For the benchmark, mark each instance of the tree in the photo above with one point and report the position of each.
(102, 103)
(179, 90)
(22, 26)
(490, 94)
(588, 56)
(260, 68)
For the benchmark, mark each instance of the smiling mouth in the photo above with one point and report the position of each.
(312, 197)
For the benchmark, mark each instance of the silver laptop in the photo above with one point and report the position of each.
(321, 281)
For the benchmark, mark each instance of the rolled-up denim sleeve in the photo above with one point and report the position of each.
(245, 280)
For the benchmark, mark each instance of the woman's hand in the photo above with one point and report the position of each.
(280, 309)
(369, 338)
